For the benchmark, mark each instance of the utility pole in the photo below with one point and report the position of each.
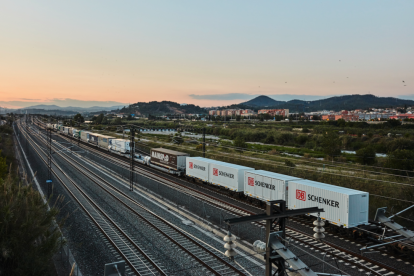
(132, 153)
(204, 142)
(49, 162)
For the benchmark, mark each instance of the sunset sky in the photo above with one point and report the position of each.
(207, 53)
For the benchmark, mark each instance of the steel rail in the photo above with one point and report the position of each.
(120, 251)
(242, 211)
(88, 174)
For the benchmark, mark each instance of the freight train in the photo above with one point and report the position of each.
(345, 210)
(343, 207)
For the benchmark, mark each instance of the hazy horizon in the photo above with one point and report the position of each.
(203, 53)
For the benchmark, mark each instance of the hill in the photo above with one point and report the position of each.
(162, 108)
(347, 102)
(262, 101)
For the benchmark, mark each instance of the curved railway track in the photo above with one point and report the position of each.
(353, 259)
(212, 262)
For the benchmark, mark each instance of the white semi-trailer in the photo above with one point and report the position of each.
(266, 186)
(343, 207)
(228, 175)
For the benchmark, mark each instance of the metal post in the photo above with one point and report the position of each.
(204, 142)
(132, 153)
(49, 160)
(269, 212)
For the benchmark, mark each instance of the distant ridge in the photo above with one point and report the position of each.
(262, 101)
(72, 108)
(337, 103)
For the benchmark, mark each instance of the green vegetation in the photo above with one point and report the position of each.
(336, 103)
(161, 108)
(29, 236)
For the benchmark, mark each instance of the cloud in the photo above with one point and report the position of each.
(21, 103)
(246, 96)
(406, 97)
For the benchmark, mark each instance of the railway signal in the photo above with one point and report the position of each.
(132, 153)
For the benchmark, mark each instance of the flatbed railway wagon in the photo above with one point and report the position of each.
(267, 186)
(343, 207)
(169, 159)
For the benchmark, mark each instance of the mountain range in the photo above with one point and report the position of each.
(337, 103)
(71, 108)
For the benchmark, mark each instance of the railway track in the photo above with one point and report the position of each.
(343, 255)
(175, 237)
(139, 262)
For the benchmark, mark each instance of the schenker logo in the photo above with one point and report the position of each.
(161, 156)
(250, 181)
(301, 195)
(216, 172)
(195, 166)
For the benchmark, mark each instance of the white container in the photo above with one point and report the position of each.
(119, 145)
(84, 135)
(267, 186)
(230, 176)
(197, 167)
(343, 207)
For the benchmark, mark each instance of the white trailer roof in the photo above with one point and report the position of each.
(333, 188)
(275, 175)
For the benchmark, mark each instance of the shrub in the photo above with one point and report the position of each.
(28, 236)
(302, 139)
(289, 163)
(331, 144)
(402, 160)
(366, 156)
(273, 152)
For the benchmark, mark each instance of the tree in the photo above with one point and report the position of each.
(238, 118)
(129, 118)
(116, 121)
(331, 144)
(3, 167)
(401, 160)
(340, 122)
(99, 119)
(366, 156)
(394, 122)
(239, 143)
(104, 120)
(78, 118)
(28, 236)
